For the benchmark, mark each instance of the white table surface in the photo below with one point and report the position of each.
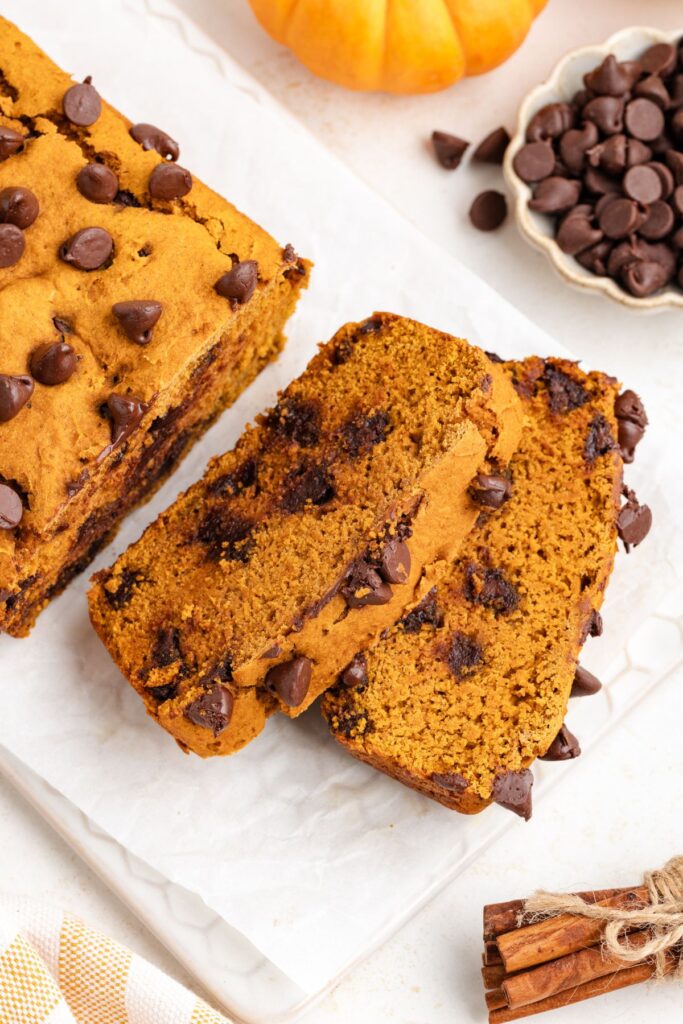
(616, 812)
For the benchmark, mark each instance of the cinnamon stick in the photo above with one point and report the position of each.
(495, 1000)
(491, 953)
(503, 917)
(493, 975)
(555, 937)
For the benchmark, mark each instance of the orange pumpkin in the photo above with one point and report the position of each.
(399, 46)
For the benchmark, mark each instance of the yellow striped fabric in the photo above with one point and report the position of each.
(56, 970)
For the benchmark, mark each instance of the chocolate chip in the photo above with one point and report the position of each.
(575, 143)
(599, 440)
(125, 411)
(565, 747)
(395, 562)
(595, 623)
(644, 120)
(645, 278)
(634, 521)
(12, 245)
(88, 249)
(491, 149)
(169, 181)
(620, 218)
(307, 483)
(364, 586)
(11, 508)
(53, 363)
(14, 394)
(550, 122)
(239, 284)
(290, 681)
(18, 206)
(653, 88)
(10, 142)
(643, 184)
(426, 613)
(463, 655)
(564, 393)
(489, 210)
(632, 421)
(355, 675)
(226, 534)
(151, 137)
(659, 59)
(674, 162)
(297, 420)
(82, 104)
(451, 781)
(236, 481)
(123, 593)
(137, 318)
(595, 258)
(534, 161)
(125, 198)
(166, 648)
(361, 433)
(659, 221)
(489, 588)
(449, 149)
(512, 790)
(555, 195)
(97, 183)
(607, 113)
(609, 78)
(213, 710)
(576, 234)
(585, 684)
(610, 155)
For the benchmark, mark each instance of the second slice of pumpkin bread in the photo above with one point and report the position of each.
(331, 515)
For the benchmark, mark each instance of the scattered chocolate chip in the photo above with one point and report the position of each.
(599, 440)
(490, 490)
(555, 195)
(88, 249)
(449, 149)
(10, 142)
(489, 210)
(632, 421)
(82, 104)
(151, 137)
(97, 183)
(213, 710)
(550, 122)
(12, 245)
(169, 181)
(534, 161)
(463, 655)
(451, 781)
(489, 588)
(125, 411)
(512, 790)
(355, 674)
(585, 684)
(395, 561)
(15, 392)
(53, 363)
(364, 586)
(137, 318)
(18, 206)
(565, 747)
(491, 150)
(11, 508)
(426, 613)
(634, 521)
(239, 284)
(290, 680)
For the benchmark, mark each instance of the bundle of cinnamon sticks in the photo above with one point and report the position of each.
(557, 961)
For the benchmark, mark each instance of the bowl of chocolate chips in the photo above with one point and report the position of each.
(596, 168)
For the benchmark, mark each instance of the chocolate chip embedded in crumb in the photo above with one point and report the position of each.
(88, 249)
(290, 680)
(463, 655)
(10, 142)
(634, 521)
(53, 363)
(226, 534)
(489, 588)
(82, 104)
(565, 747)
(213, 710)
(595, 624)
(239, 284)
(125, 411)
(361, 432)
(166, 649)
(169, 181)
(449, 149)
(137, 318)
(491, 149)
(489, 210)
(451, 781)
(490, 490)
(356, 673)
(11, 508)
(151, 137)
(395, 561)
(585, 684)
(364, 586)
(632, 421)
(18, 206)
(512, 790)
(12, 245)
(564, 393)
(599, 441)
(426, 613)
(97, 183)
(14, 394)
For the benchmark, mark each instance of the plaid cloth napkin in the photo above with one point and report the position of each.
(55, 970)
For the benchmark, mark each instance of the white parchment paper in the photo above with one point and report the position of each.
(311, 855)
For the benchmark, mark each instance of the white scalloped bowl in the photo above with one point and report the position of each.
(537, 228)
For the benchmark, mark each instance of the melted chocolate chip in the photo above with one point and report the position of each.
(12, 245)
(564, 747)
(232, 483)
(166, 648)
(169, 181)
(349, 723)
(448, 149)
(585, 683)
(11, 508)
(10, 142)
(463, 655)
(14, 394)
(564, 393)
(355, 675)
(361, 433)
(425, 613)
(239, 284)
(364, 586)
(137, 318)
(451, 781)
(599, 440)
(18, 206)
(634, 521)
(82, 104)
(125, 411)
(595, 624)
(306, 484)
(97, 183)
(213, 710)
(490, 490)
(62, 325)
(290, 680)
(632, 421)
(297, 420)
(395, 561)
(88, 249)
(151, 137)
(489, 588)
(226, 534)
(53, 363)
(125, 198)
(127, 581)
(163, 693)
(512, 790)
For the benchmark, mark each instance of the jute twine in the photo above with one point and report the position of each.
(663, 918)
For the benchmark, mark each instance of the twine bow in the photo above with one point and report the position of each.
(663, 918)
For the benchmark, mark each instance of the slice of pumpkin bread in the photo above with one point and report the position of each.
(472, 684)
(331, 515)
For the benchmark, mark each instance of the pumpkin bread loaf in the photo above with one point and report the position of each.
(472, 684)
(135, 304)
(336, 511)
